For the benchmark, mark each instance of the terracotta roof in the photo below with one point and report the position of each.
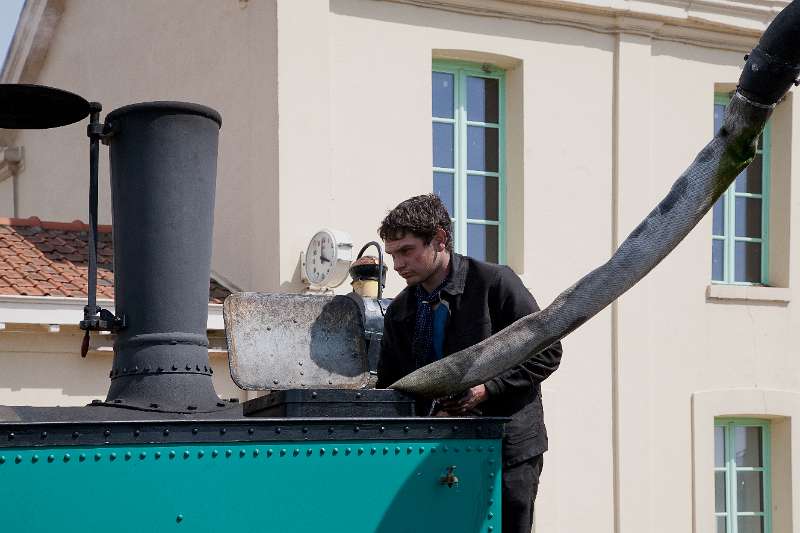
(51, 259)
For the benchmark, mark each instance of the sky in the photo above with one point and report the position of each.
(9, 13)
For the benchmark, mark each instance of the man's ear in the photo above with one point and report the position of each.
(440, 240)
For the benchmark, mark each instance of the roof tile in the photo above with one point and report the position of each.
(40, 258)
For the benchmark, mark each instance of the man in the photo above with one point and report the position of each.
(451, 303)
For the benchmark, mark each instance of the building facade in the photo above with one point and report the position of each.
(551, 129)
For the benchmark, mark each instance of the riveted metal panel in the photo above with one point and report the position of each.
(358, 486)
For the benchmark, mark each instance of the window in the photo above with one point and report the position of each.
(742, 485)
(741, 218)
(468, 155)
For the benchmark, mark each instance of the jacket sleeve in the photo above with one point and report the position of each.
(388, 361)
(511, 302)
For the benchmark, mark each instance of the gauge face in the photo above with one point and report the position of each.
(321, 258)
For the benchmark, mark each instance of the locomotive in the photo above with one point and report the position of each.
(163, 452)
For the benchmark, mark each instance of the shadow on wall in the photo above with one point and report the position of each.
(413, 16)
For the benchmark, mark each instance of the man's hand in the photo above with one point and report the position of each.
(464, 404)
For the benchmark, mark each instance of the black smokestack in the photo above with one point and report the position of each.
(163, 172)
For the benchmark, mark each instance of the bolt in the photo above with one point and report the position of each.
(356, 429)
(296, 452)
(409, 449)
(422, 449)
(124, 370)
(283, 452)
(269, 453)
(210, 370)
(18, 459)
(490, 529)
(172, 454)
(200, 453)
(197, 367)
(166, 432)
(490, 516)
(2, 459)
(455, 428)
(222, 431)
(275, 381)
(186, 454)
(277, 430)
(82, 457)
(128, 456)
(51, 458)
(98, 456)
(256, 452)
(11, 436)
(194, 431)
(358, 395)
(179, 518)
(491, 502)
(491, 474)
(406, 428)
(67, 457)
(188, 367)
(309, 451)
(228, 453)
(313, 394)
(35, 459)
(430, 429)
(305, 430)
(242, 453)
(174, 367)
(157, 455)
(44, 434)
(251, 431)
(143, 455)
(372, 451)
(385, 450)
(136, 368)
(107, 433)
(382, 429)
(136, 433)
(330, 430)
(214, 453)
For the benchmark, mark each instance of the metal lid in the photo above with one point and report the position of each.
(294, 341)
(25, 106)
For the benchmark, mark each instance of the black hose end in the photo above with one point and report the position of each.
(766, 78)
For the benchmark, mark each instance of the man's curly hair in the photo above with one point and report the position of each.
(420, 216)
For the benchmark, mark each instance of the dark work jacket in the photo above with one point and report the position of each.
(482, 299)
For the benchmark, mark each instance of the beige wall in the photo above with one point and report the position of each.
(326, 122)
(124, 52)
(43, 369)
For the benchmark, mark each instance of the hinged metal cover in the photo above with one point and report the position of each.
(294, 341)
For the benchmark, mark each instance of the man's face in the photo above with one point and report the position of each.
(414, 260)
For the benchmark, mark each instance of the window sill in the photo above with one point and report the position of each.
(751, 293)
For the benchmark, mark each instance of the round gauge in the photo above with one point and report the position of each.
(328, 258)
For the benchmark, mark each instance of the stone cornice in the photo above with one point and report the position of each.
(725, 24)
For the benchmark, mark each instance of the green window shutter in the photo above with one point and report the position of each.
(742, 476)
(468, 115)
(740, 226)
